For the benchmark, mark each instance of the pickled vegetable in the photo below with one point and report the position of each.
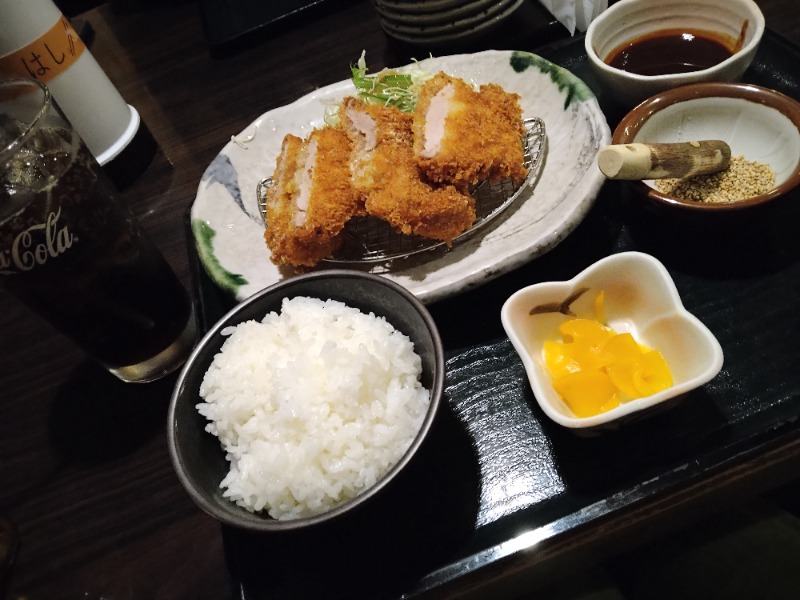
(594, 368)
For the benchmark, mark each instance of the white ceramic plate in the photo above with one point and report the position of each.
(228, 230)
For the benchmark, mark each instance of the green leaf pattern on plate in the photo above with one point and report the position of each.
(566, 81)
(204, 242)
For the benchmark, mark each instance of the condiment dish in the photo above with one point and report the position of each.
(759, 124)
(736, 25)
(198, 457)
(640, 298)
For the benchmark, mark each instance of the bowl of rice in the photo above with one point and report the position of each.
(760, 125)
(306, 400)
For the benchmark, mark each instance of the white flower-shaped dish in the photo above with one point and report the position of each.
(639, 298)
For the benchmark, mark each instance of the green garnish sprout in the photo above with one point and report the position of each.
(389, 86)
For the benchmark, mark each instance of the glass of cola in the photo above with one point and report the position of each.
(72, 250)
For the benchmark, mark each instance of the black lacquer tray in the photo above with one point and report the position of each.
(497, 476)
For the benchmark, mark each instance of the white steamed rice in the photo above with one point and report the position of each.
(312, 406)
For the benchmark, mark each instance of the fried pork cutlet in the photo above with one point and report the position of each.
(388, 179)
(370, 128)
(463, 136)
(311, 198)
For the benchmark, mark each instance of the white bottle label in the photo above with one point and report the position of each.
(47, 56)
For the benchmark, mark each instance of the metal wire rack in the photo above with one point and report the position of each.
(371, 240)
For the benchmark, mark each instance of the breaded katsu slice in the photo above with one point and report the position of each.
(387, 177)
(414, 206)
(311, 198)
(463, 136)
(371, 127)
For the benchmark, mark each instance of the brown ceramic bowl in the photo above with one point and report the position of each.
(759, 124)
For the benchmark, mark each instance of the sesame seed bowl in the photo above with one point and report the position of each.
(761, 126)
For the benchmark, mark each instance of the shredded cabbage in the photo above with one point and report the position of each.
(389, 86)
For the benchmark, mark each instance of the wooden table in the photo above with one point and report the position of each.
(84, 469)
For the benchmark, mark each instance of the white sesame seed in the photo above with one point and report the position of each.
(741, 180)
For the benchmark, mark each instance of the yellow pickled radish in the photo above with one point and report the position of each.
(642, 375)
(654, 375)
(594, 368)
(586, 393)
(600, 307)
(613, 402)
(562, 357)
(585, 331)
(558, 359)
(618, 347)
(622, 373)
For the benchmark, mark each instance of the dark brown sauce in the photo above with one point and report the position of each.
(672, 51)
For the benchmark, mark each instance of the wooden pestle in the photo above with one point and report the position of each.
(660, 161)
